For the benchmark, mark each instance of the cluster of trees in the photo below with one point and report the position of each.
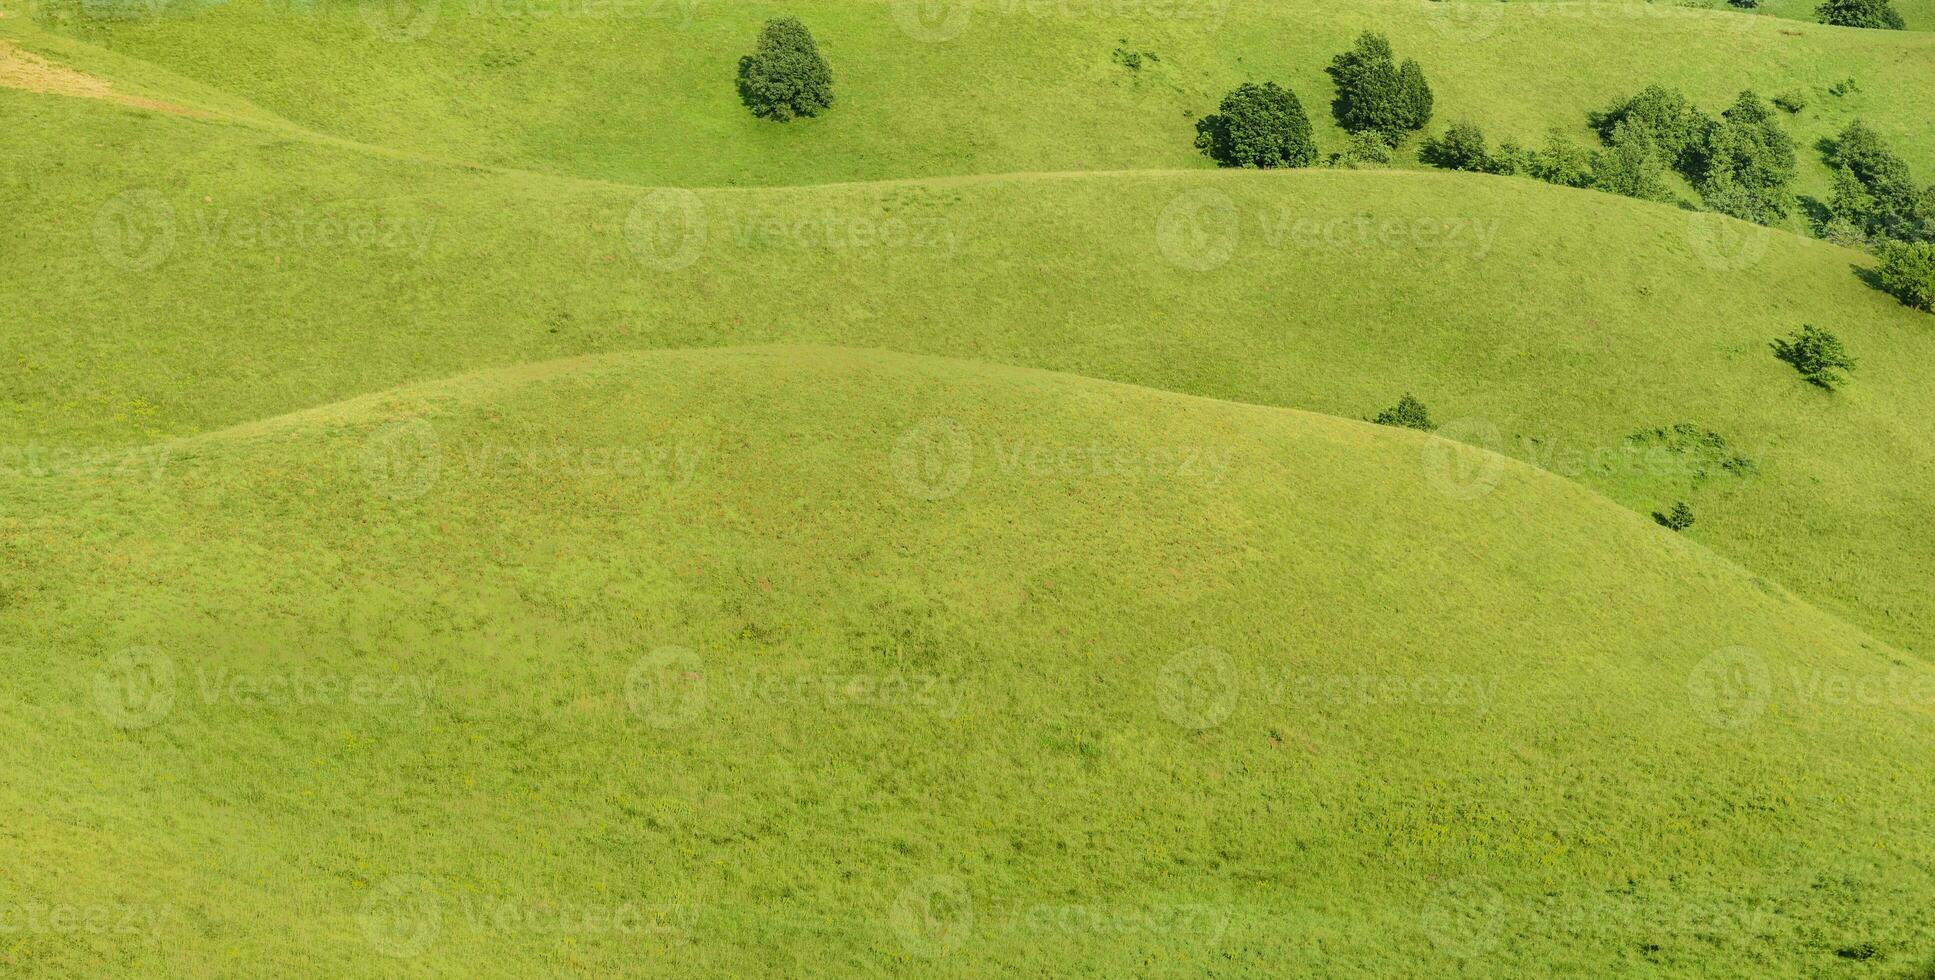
(1875, 196)
(1375, 94)
(1743, 163)
(1378, 102)
(1876, 14)
(1877, 202)
(1463, 147)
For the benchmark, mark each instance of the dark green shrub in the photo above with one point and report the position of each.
(1415, 100)
(1258, 126)
(1509, 159)
(1874, 191)
(785, 75)
(1748, 110)
(1363, 150)
(1908, 273)
(1462, 147)
(1375, 93)
(1408, 413)
(1676, 127)
(1846, 86)
(1561, 161)
(1876, 14)
(1632, 165)
(1793, 101)
(1745, 163)
(1817, 355)
(1678, 519)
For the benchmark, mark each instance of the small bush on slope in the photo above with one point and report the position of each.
(1510, 159)
(785, 75)
(1908, 273)
(1632, 165)
(1462, 147)
(1678, 519)
(1818, 355)
(1258, 126)
(1376, 94)
(1409, 413)
(1363, 150)
(1561, 162)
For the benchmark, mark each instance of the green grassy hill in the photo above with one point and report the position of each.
(1021, 87)
(770, 646)
(1553, 324)
(1918, 14)
(475, 502)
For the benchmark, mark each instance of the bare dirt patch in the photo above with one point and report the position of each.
(23, 70)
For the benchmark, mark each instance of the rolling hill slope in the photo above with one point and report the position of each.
(626, 624)
(625, 94)
(1553, 325)
(475, 503)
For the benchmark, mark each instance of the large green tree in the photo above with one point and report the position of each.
(785, 75)
(1258, 126)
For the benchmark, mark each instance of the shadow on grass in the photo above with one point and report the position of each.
(1868, 274)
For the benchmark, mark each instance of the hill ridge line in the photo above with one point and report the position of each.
(274, 122)
(469, 385)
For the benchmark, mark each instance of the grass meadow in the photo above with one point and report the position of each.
(474, 501)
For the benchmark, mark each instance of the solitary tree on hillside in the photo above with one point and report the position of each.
(785, 75)
(1817, 354)
(1258, 126)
